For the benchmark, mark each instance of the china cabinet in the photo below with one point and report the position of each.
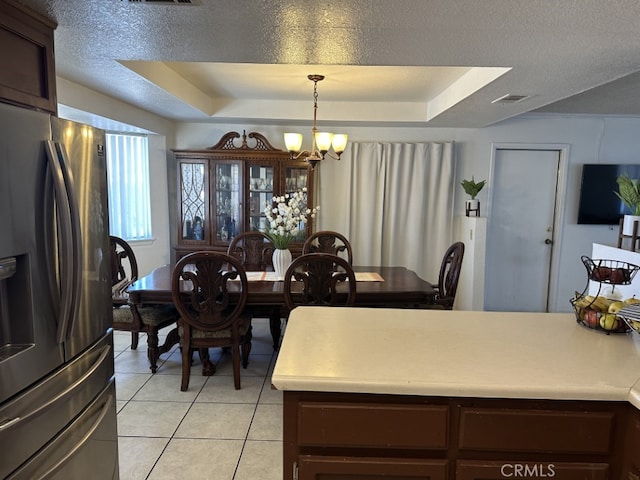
(222, 190)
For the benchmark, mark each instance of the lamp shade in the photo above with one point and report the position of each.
(339, 142)
(293, 141)
(323, 141)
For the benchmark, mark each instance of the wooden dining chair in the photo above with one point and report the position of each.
(131, 318)
(449, 277)
(327, 241)
(208, 315)
(255, 250)
(313, 278)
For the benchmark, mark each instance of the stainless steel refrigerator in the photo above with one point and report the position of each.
(57, 387)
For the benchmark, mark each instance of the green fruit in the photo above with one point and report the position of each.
(615, 307)
(608, 321)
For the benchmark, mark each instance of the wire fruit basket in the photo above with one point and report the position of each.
(596, 311)
(613, 272)
(630, 314)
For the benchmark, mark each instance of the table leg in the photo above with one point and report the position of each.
(154, 351)
(276, 329)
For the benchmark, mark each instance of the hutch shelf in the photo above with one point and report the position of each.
(222, 190)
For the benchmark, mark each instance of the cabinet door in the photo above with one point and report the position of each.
(261, 188)
(193, 186)
(316, 467)
(297, 177)
(27, 76)
(227, 201)
(631, 464)
(498, 470)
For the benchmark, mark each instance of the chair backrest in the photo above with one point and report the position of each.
(205, 302)
(123, 261)
(327, 241)
(313, 278)
(254, 250)
(450, 274)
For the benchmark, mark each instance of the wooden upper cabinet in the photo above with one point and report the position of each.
(27, 72)
(222, 190)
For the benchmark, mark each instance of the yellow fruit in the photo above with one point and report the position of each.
(616, 306)
(601, 304)
(631, 301)
(608, 321)
(583, 302)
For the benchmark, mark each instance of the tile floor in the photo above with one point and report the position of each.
(212, 431)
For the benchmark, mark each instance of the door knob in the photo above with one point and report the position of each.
(548, 241)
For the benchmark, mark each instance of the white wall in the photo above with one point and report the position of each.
(590, 139)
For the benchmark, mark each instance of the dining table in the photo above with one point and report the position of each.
(376, 286)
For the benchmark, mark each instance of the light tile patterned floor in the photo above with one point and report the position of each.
(212, 431)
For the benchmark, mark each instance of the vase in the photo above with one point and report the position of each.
(281, 261)
(472, 205)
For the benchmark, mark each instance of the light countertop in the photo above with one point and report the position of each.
(456, 354)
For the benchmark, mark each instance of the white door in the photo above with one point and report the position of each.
(520, 230)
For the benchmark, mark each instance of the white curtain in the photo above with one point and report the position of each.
(393, 201)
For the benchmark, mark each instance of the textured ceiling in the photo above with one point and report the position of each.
(436, 63)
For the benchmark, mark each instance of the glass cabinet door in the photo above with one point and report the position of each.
(295, 179)
(228, 201)
(260, 180)
(193, 200)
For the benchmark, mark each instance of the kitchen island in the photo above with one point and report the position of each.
(456, 395)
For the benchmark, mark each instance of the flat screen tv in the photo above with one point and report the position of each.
(599, 205)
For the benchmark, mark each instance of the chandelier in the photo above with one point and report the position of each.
(321, 141)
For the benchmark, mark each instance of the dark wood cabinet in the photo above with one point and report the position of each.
(27, 76)
(631, 464)
(222, 190)
(498, 469)
(311, 467)
(359, 436)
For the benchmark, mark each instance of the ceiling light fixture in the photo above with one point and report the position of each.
(321, 141)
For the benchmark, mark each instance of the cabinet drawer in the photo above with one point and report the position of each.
(373, 425)
(541, 431)
(498, 470)
(311, 467)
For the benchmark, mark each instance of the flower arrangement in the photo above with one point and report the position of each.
(286, 217)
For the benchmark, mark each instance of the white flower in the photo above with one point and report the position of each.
(286, 216)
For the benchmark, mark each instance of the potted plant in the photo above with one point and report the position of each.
(629, 193)
(472, 188)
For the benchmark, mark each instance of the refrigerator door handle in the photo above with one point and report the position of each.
(53, 469)
(87, 436)
(69, 238)
(104, 355)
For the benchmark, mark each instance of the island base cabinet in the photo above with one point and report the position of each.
(489, 470)
(311, 467)
(631, 465)
(355, 436)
